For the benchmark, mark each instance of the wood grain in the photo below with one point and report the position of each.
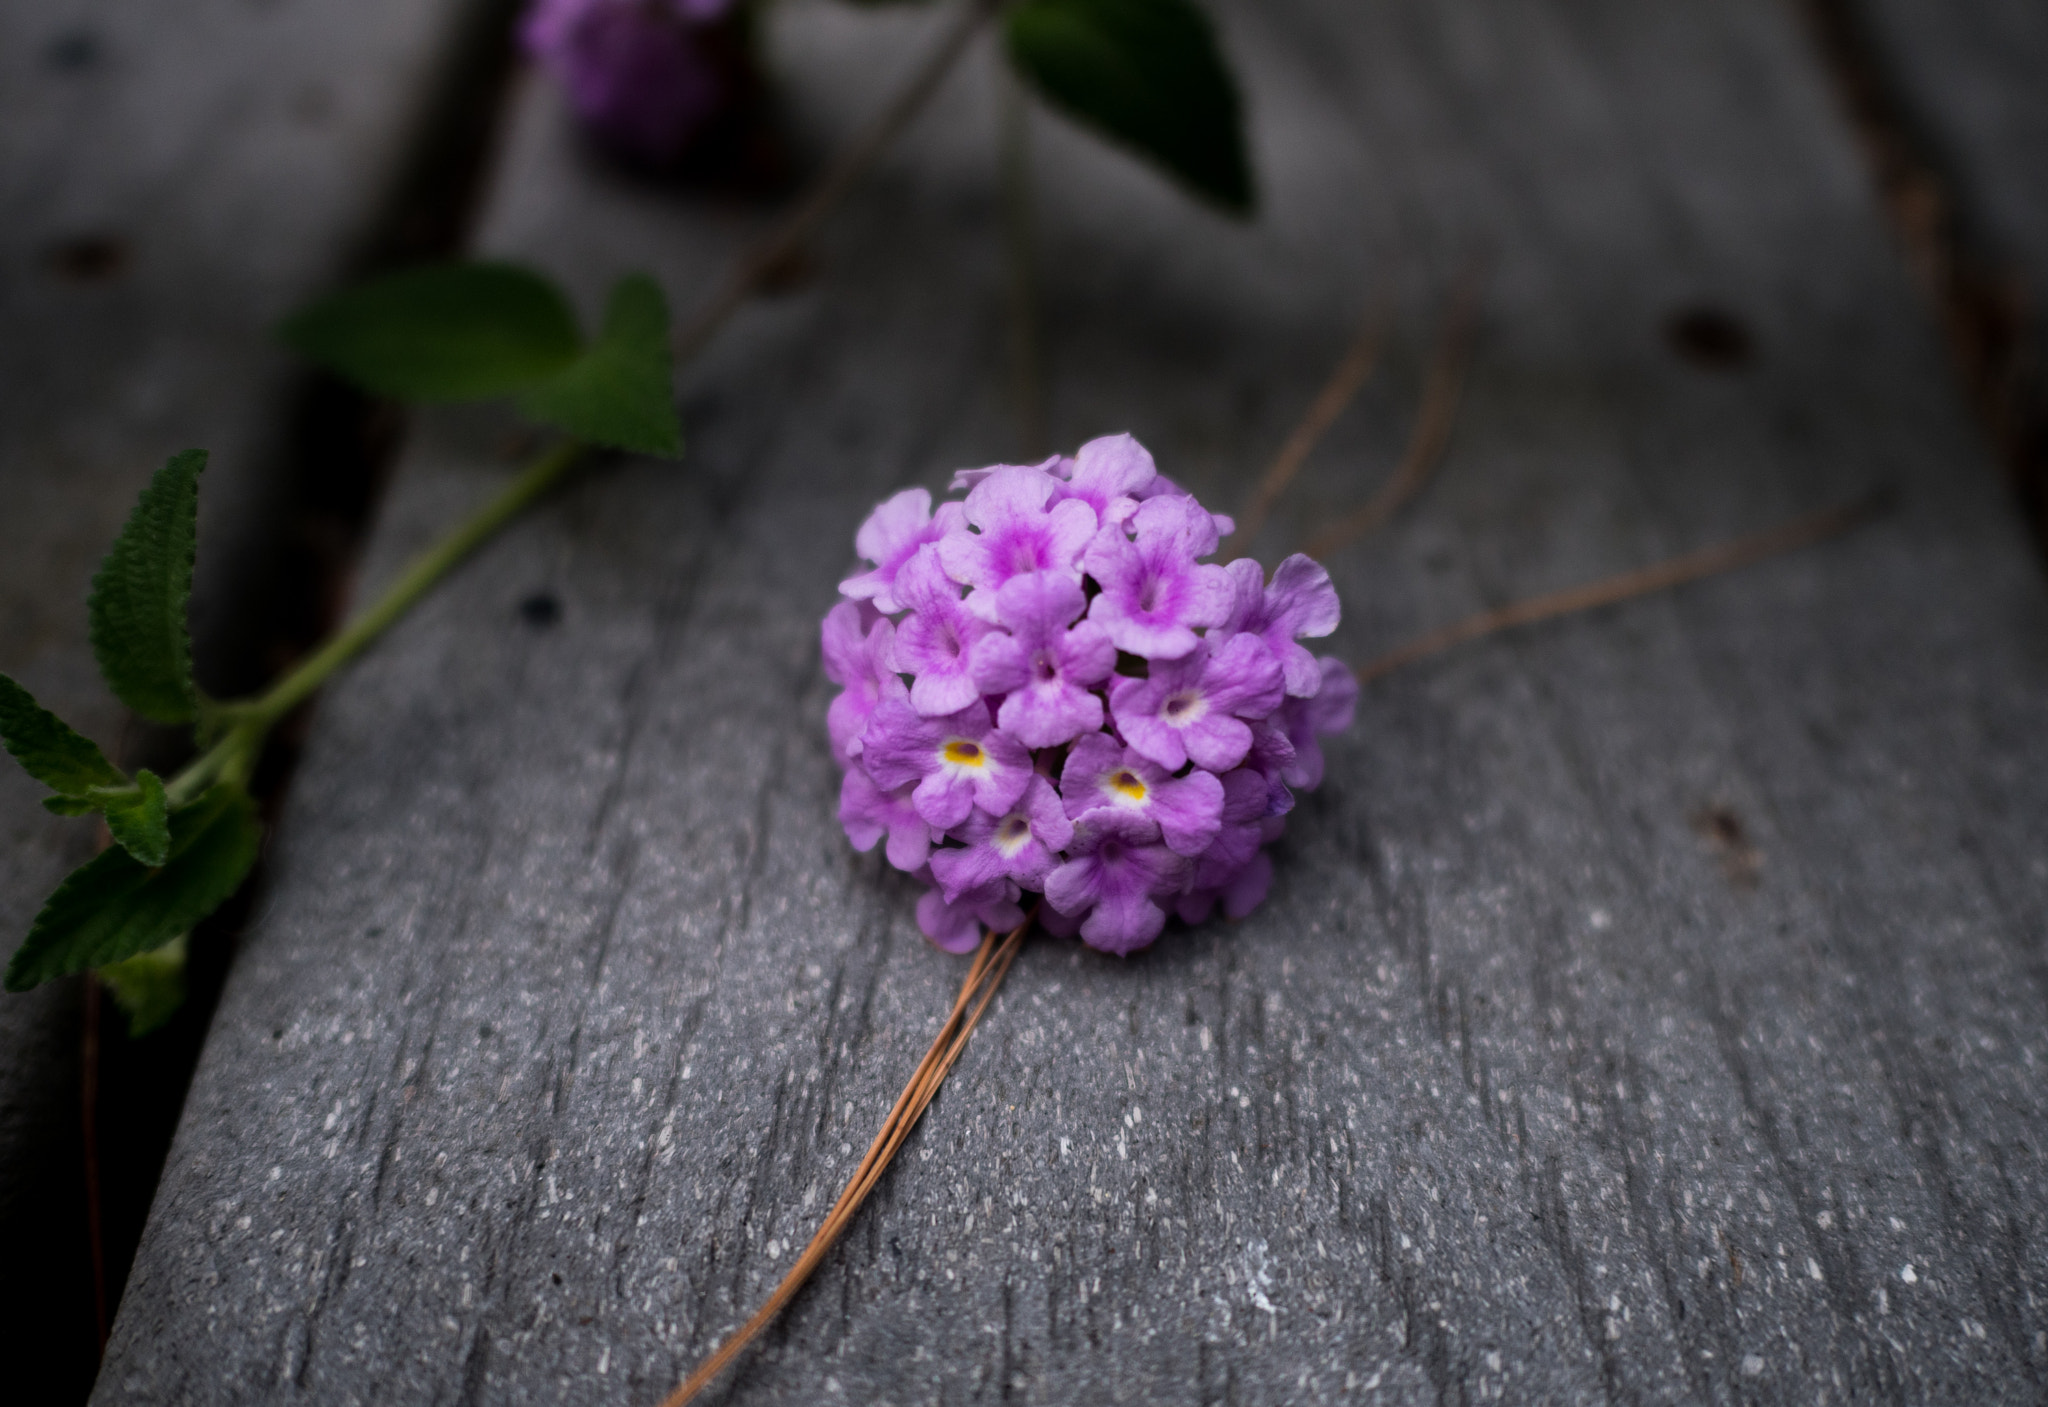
(1955, 118)
(176, 176)
(1650, 1006)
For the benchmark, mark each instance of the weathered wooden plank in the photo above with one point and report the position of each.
(1955, 115)
(176, 176)
(1969, 78)
(569, 1005)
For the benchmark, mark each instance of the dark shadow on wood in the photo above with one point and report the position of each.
(1992, 320)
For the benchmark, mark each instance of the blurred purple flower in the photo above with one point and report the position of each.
(647, 78)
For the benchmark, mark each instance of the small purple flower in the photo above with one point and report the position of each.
(936, 640)
(646, 77)
(1101, 775)
(1022, 846)
(890, 537)
(1329, 711)
(1196, 707)
(857, 646)
(1241, 890)
(958, 762)
(1110, 474)
(867, 812)
(1115, 872)
(1229, 869)
(1272, 757)
(955, 926)
(1154, 593)
(1017, 535)
(1058, 465)
(1044, 669)
(1151, 792)
(1057, 924)
(1299, 602)
(1163, 487)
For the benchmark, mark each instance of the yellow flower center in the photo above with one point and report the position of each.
(1127, 782)
(963, 753)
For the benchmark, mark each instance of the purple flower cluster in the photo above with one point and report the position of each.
(647, 78)
(1046, 690)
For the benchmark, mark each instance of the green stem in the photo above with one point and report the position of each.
(199, 774)
(418, 579)
(248, 722)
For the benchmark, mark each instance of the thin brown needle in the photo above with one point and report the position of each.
(1352, 371)
(1706, 562)
(1441, 393)
(842, 176)
(991, 964)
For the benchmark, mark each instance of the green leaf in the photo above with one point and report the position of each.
(452, 332)
(1147, 73)
(139, 597)
(70, 805)
(620, 392)
(47, 747)
(150, 986)
(114, 907)
(136, 819)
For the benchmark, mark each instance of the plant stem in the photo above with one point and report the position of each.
(986, 974)
(1433, 424)
(841, 177)
(233, 756)
(1351, 372)
(419, 578)
(1609, 591)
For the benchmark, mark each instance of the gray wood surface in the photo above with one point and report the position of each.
(1970, 75)
(1650, 1008)
(176, 176)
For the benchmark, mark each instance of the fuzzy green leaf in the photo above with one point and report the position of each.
(139, 597)
(150, 986)
(47, 747)
(620, 392)
(138, 821)
(113, 907)
(452, 332)
(1147, 73)
(70, 805)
